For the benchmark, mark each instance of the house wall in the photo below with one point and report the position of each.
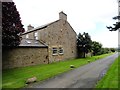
(59, 34)
(24, 56)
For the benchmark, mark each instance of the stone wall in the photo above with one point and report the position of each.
(59, 34)
(24, 56)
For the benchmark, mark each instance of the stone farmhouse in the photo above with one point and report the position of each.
(49, 43)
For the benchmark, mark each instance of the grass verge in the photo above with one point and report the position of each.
(110, 80)
(15, 78)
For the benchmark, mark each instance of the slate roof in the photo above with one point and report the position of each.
(32, 43)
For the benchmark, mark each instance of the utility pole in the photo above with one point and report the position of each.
(119, 21)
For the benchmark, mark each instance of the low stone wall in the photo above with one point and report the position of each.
(24, 56)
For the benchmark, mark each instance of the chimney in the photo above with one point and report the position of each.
(30, 27)
(62, 16)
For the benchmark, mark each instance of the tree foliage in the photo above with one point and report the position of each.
(112, 49)
(96, 47)
(11, 25)
(105, 50)
(116, 25)
(84, 43)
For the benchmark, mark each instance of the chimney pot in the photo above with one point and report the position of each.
(30, 27)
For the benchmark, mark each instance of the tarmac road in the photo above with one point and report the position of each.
(83, 77)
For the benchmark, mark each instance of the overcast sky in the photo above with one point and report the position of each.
(91, 16)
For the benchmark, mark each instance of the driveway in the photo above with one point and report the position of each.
(82, 77)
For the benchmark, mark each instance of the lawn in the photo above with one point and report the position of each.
(15, 78)
(110, 80)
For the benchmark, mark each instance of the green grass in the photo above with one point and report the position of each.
(110, 80)
(15, 78)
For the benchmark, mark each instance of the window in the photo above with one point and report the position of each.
(36, 35)
(60, 50)
(27, 36)
(54, 51)
(36, 38)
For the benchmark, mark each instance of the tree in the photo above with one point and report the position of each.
(116, 25)
(107, 50)
(11, 25)
(112, 49)
(84, 43)
(96, 47)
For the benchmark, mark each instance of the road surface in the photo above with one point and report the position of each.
(83, 77)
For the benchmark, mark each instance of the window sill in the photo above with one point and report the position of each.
(61, 53)
(54, 54)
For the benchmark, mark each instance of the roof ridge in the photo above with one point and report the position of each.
(40, 27)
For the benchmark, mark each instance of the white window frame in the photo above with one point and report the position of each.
(36, 38)
(36, 35)
(60, 48)
(27, 36)
(54, 51)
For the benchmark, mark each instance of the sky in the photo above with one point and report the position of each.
(90, 16)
